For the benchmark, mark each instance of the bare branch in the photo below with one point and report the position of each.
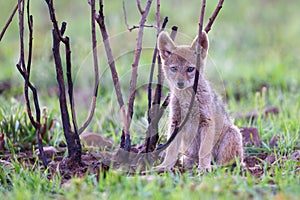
(214, 16)
(125, 15)
(69, 79)
(9, 20)
(154, 57)
(73, 143)
(153, 111)
(72, 138)
(96, 67)
(54, 21)
(111, 62)
(30, 27)
(157, 14)
(25, 72)
(133, 80)
(21, 63)
(156, 113)
(21, 27)
(136, 27)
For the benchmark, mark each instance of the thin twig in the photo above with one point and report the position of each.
(21, 63)
(138, 2)
(9, 21)
(30, 27)
(111, 63)
(134, 26)
(152, 130)
(70, 82)
(153, 111)
(33, 89)
(214, 16)
(125, 15)
(157, 14)
(134, 68)
(96, 67)
(21, 26)
(53, 20)
(28, 69)
(154, 57)
(158, 112)
(152, 139)
(25, 72)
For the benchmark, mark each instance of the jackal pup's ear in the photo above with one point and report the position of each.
(204, 44)
(165, 45)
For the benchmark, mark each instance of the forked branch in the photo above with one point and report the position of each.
(135, 26)
(72, 138)
(134, 70)
(138, 2)
(25, 72)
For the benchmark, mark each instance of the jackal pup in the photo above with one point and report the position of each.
(209, 134)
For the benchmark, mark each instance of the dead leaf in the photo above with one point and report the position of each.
(250, 136)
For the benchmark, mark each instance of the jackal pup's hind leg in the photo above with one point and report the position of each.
(230, 147)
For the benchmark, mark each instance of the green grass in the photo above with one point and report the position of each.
(220, 184)
(252, 43)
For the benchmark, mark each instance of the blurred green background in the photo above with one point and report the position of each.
(252, 44)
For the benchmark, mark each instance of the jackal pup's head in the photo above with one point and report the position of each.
(179, 61)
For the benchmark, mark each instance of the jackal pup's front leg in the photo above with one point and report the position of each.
(206, 131)
(173, 150)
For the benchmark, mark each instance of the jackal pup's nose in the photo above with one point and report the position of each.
(180, 84)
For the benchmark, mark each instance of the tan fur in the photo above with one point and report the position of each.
(209, 132)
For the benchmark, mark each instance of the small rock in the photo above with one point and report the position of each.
(49, 151)
(270, 110)
(250, 136)
(95, 140)
(253, 114)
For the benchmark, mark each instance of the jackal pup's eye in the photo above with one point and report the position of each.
(190, 69)
(173, 69)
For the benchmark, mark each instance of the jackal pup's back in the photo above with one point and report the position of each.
(209, 132)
